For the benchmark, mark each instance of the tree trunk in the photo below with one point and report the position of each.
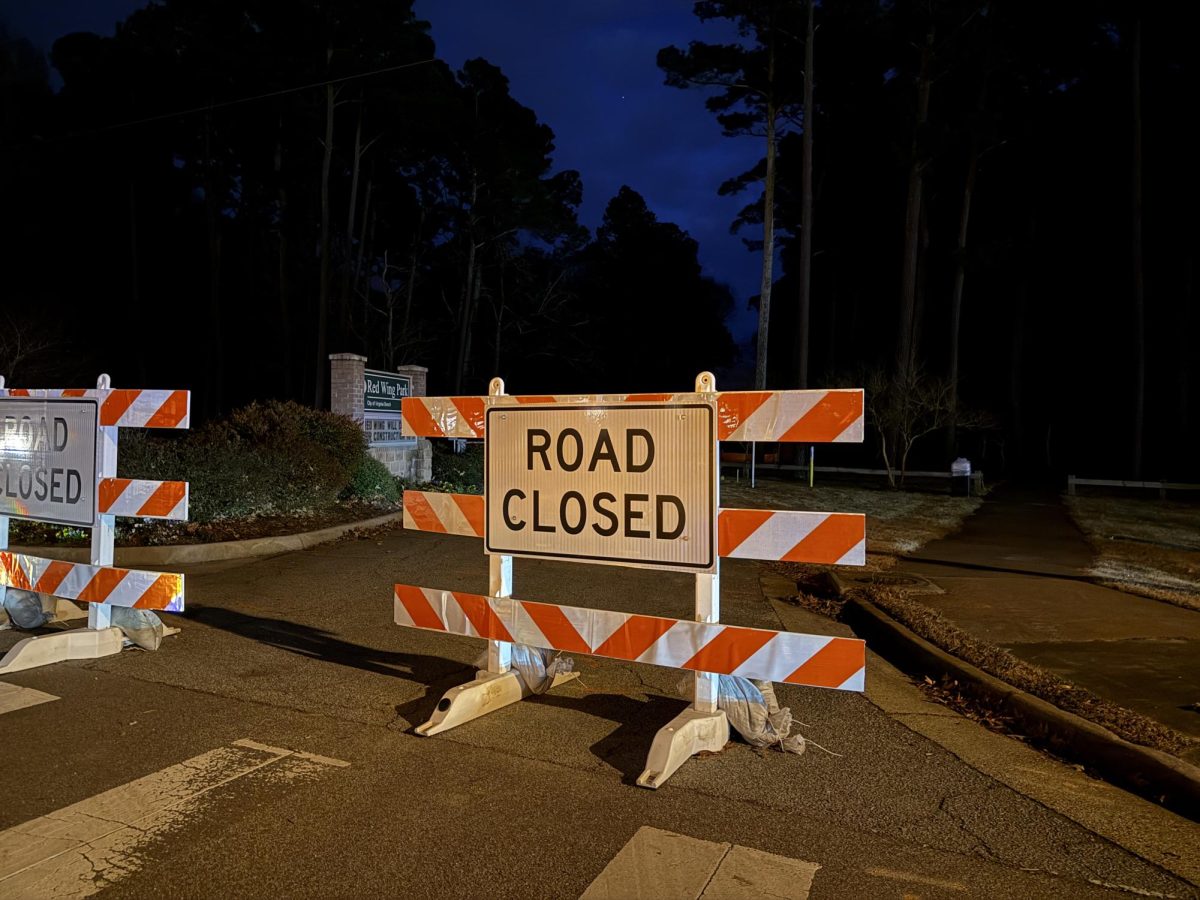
(216, 364)
(905, 356)
(960, 278)
(135, 272)
(806, 203)
(413, 259)
(356, 276)
(323, 285)
(285, 318)
(768, 262)
(464, 319)
(1139, 288)
(348, 254)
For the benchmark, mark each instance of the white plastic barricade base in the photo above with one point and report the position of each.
(488, 692)
(689, 733)
(44, 649)
(62, 610)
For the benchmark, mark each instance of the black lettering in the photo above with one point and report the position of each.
(56, 485)
(537, 525)
(40, 475)
(610, 529)
(562, 460)
(531, 448)
(562, 512)
(25, 482)
(8, 491)
(78, 485)
(27, 432)
(60, 434)
(512, 526)
(660, 501)
(630, 515)
(604, 450)
(630, 465)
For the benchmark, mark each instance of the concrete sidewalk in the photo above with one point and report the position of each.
(1015, 576)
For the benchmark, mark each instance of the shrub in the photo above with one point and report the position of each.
(372, 482)
(463, 470)
(266, 459)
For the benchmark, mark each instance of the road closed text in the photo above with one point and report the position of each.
(610, 483)
(633, 515)
(47, 460)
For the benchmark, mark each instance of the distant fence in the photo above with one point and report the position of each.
(1161, 486)
(745, 464)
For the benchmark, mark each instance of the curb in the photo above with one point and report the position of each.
(218, 551)
(1151, 773)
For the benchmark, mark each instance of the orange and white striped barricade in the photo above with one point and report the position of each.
(630, 480)
(58, 463)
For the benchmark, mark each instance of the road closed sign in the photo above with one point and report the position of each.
(48, 460)
(624, 483)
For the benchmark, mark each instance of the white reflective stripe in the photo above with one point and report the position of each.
(778, 534)
(856, 682)
(775, 416)
(856, 555)
(782, 658)
(680, 643)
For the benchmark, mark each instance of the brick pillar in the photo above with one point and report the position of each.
(346, 384)
(419, 376)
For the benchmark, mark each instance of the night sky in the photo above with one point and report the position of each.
(588, 71)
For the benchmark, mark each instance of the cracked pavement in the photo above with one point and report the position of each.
(300, 651)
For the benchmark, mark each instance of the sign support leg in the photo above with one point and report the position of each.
(498, 685)
(702, 726)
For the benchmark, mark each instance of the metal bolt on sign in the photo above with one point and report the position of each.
(630, 480)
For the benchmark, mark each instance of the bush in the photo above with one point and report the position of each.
(373, 482)
(267, 458)
(463, 471)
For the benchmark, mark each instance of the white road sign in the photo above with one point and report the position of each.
(623, 483)
(48, 460)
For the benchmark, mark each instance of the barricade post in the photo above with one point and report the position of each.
(59, 464)
(530, 510)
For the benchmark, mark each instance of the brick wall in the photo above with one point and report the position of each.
(346, 386)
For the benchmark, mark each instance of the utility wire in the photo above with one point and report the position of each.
(208, 107)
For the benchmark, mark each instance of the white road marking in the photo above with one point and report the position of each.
(668, 866)
(14, 697)
(914, 878)
(83, 848)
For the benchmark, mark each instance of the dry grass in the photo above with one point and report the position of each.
(935, 628)
(898, 522)
(1146, 547)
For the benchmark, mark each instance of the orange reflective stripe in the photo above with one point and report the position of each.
(735, 525)
(634, 637)
(160, 594)
(115, 405)
(419, 419)
(828, 542)
(831, 665)
(471, 506)
(472, 410)
(482, 617)
(533, 398)
(417, 605)
(101, 585)
(647, 398)
(832, 415)
(111, 490)
(728, 650)
(171, 413)
(554, 624)
(422, 513)
(53, 577)
(733, 409)
(14, 575)
(164, 499)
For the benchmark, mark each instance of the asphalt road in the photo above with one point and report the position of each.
(141, 756)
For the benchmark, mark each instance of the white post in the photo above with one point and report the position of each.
(103, 529)
(708, 587)
(500, 581)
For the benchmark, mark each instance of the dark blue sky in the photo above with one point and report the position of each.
(586, 67)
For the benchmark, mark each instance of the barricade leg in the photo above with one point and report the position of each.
(702, 727)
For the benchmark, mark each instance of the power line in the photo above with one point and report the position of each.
(208, 107)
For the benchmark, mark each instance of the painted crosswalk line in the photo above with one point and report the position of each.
(14, 697)
(83, 848)
(669, 866)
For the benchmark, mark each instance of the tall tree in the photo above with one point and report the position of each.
(758, 97)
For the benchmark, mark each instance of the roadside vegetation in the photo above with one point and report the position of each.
(268, 468)
(1143, 546)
